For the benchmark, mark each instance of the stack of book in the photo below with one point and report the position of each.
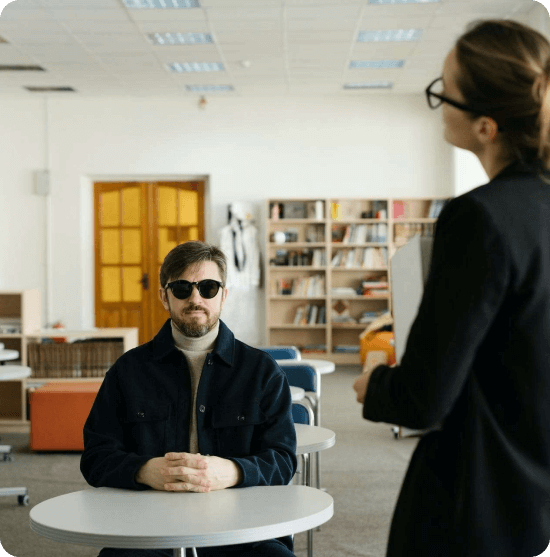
(374, 288)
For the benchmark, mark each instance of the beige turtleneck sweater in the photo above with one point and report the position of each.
(195, 351)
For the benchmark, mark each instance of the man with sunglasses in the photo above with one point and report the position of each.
(194, 409)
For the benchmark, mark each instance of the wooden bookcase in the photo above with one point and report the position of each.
(20, 321)
(320, 253)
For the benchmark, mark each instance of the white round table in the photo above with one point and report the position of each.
(297, 393)
(108, 517)
(12, 373)
(6, 355)
(312, 439)
(324, 366)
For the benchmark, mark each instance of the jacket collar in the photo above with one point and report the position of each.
(516, 167)
(163, 343)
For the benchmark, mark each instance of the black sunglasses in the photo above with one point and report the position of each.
(182, 289)
(435, 100)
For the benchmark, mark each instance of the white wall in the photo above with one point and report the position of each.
(250, 150)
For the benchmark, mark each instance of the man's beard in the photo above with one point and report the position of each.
(195, 329)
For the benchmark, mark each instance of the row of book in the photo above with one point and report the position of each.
(362, 258)
(300, 258)
(308, 287)
(374, 288)
(360, 233)
(310, 314)
(402, 232)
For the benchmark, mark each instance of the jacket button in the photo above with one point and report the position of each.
(141, 414)
(202, 408)
(209, 361)
(241, 418)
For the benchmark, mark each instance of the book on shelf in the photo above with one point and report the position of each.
(346, 349)
(312, 315)
(375, 288)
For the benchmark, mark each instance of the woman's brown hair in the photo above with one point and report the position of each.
(505, 70)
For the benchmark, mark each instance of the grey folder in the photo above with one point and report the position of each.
(409, 270)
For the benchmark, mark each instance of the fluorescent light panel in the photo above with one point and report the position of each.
(402, 1)
(209, 88)
(389, 35)
(376, 64)
(180, 38)
(371, 85)
(160, 4)
(185, 67)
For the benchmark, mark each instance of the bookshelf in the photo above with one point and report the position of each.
(20, 321)
(327, 272)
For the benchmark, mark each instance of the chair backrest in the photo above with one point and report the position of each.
(302, 375)
(302, 414)
(283, 352)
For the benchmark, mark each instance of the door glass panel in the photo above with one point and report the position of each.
(110, 284)
(131, 286)
(167, 206)
(189, 233)
(110, 246)
(110, 208)
(189, 207)
(131, 209)
(167, 241)
(131, 246)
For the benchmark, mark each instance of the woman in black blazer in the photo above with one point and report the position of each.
(476, 370)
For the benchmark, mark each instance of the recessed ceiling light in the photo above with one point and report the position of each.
(162, 4)
(180, 38)
(209, 88)
(389, 35)
(402, 1)
(49, 89)
(368, 64)
(196, 67)
(371, 85)
(20, 68)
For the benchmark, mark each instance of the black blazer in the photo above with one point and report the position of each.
(477, 364)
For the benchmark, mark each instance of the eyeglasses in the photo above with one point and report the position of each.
(182, 289)
(436, 99)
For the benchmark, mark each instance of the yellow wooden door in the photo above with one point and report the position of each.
(136, 225)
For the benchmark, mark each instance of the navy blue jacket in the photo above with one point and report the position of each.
(477, 362)
(142, 411)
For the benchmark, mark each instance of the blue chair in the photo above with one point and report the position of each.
(308, 378)
(283, 352)
(303, 414)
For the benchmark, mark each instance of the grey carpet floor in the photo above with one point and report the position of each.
(363, 473)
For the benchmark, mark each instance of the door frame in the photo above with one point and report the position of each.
(87, 259)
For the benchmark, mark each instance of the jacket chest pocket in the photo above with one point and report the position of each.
(234, 428)
(145, 426)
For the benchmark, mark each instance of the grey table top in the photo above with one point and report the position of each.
(8, 355)
(107, 517)
(9, 373)
(312, 439)
(324, 366)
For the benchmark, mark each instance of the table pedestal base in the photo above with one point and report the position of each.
(180, 552)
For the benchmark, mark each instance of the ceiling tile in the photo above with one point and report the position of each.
(251, 13)
(12, 12)
(333, 13)
(88, 14)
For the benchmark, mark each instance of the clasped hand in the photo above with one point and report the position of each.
(189, 472)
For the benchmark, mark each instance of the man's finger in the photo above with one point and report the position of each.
(186, 486)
